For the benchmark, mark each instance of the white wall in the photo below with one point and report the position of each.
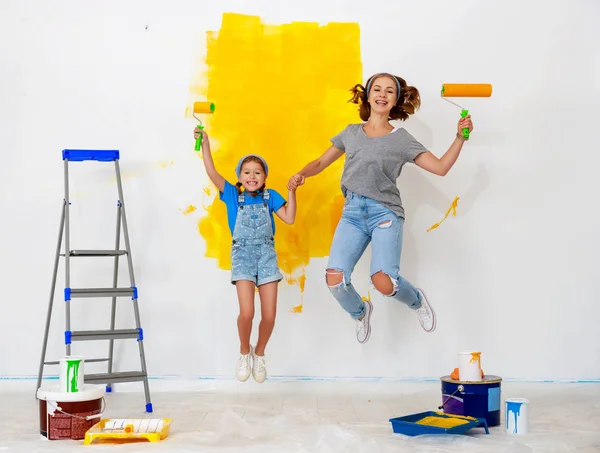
(514, 275)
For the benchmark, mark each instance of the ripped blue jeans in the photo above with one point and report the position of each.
(365, 220)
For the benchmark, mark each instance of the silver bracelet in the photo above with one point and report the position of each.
(461, 137)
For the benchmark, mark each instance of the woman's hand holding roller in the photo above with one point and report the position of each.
(465, 123)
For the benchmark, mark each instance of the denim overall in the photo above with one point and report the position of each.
(253, 255)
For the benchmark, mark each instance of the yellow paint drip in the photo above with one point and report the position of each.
(476, 357)
(189, 209)
(281, 91)
(452, 209)
(301, 281)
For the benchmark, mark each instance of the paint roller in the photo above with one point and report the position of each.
(201, 108)
(465, 90)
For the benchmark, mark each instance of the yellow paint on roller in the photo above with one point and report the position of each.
(452, 209)
(467, 90)
(282, 92)
(204, 107)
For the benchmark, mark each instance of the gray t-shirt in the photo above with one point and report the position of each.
(374, 164)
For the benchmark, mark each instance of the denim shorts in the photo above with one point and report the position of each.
(254, 260)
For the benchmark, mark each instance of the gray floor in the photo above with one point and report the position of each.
(311, 416)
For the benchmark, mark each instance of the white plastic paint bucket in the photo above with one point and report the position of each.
(469, 366)
(71, 374)
(68, 415)
(517, 415)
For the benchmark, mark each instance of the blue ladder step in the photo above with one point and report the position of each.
(120, 376)
(56, 362)
(88, 253)
(101, 292)
(79, 155)
(115, 334)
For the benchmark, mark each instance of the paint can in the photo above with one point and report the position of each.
(475, 399)
(71, 373)
(68, 415)
(469, 366)
(517, 415)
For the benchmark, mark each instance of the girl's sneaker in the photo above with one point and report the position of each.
(259, 368)
(243, 366)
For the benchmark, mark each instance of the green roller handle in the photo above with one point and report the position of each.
(465, 131)
(199, 140)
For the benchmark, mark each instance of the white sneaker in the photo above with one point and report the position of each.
(259, 368)
(426, 314)
(363, 326)
(243, 366)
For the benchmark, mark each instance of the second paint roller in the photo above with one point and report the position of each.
(202, 107)
(465, 90)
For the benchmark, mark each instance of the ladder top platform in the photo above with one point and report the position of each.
(79, 155)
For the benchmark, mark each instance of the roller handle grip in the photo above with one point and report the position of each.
(465, 131)
(199, 140)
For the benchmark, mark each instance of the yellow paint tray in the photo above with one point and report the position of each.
(121, 430)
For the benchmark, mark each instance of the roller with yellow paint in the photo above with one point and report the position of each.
(202, 108)
(465, 90)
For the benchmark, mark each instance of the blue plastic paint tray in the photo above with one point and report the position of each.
(435, 423)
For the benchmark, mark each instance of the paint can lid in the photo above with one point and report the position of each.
(487, 379)
(90, 392)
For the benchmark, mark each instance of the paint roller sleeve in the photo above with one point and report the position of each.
(467, 90)
(204, 107)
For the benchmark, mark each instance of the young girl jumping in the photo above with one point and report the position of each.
(253, 257)
(373, 213)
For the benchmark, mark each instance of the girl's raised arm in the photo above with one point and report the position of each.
(212, 172)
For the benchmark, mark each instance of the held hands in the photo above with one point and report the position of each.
(295, 181)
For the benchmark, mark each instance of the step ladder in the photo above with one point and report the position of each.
(111, 334)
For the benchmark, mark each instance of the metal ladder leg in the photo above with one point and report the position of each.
(138, 322)
(51, 298)
(113, 307)
(67, 263)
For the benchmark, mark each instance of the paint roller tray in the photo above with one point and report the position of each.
(431, 422)
(128, 429)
